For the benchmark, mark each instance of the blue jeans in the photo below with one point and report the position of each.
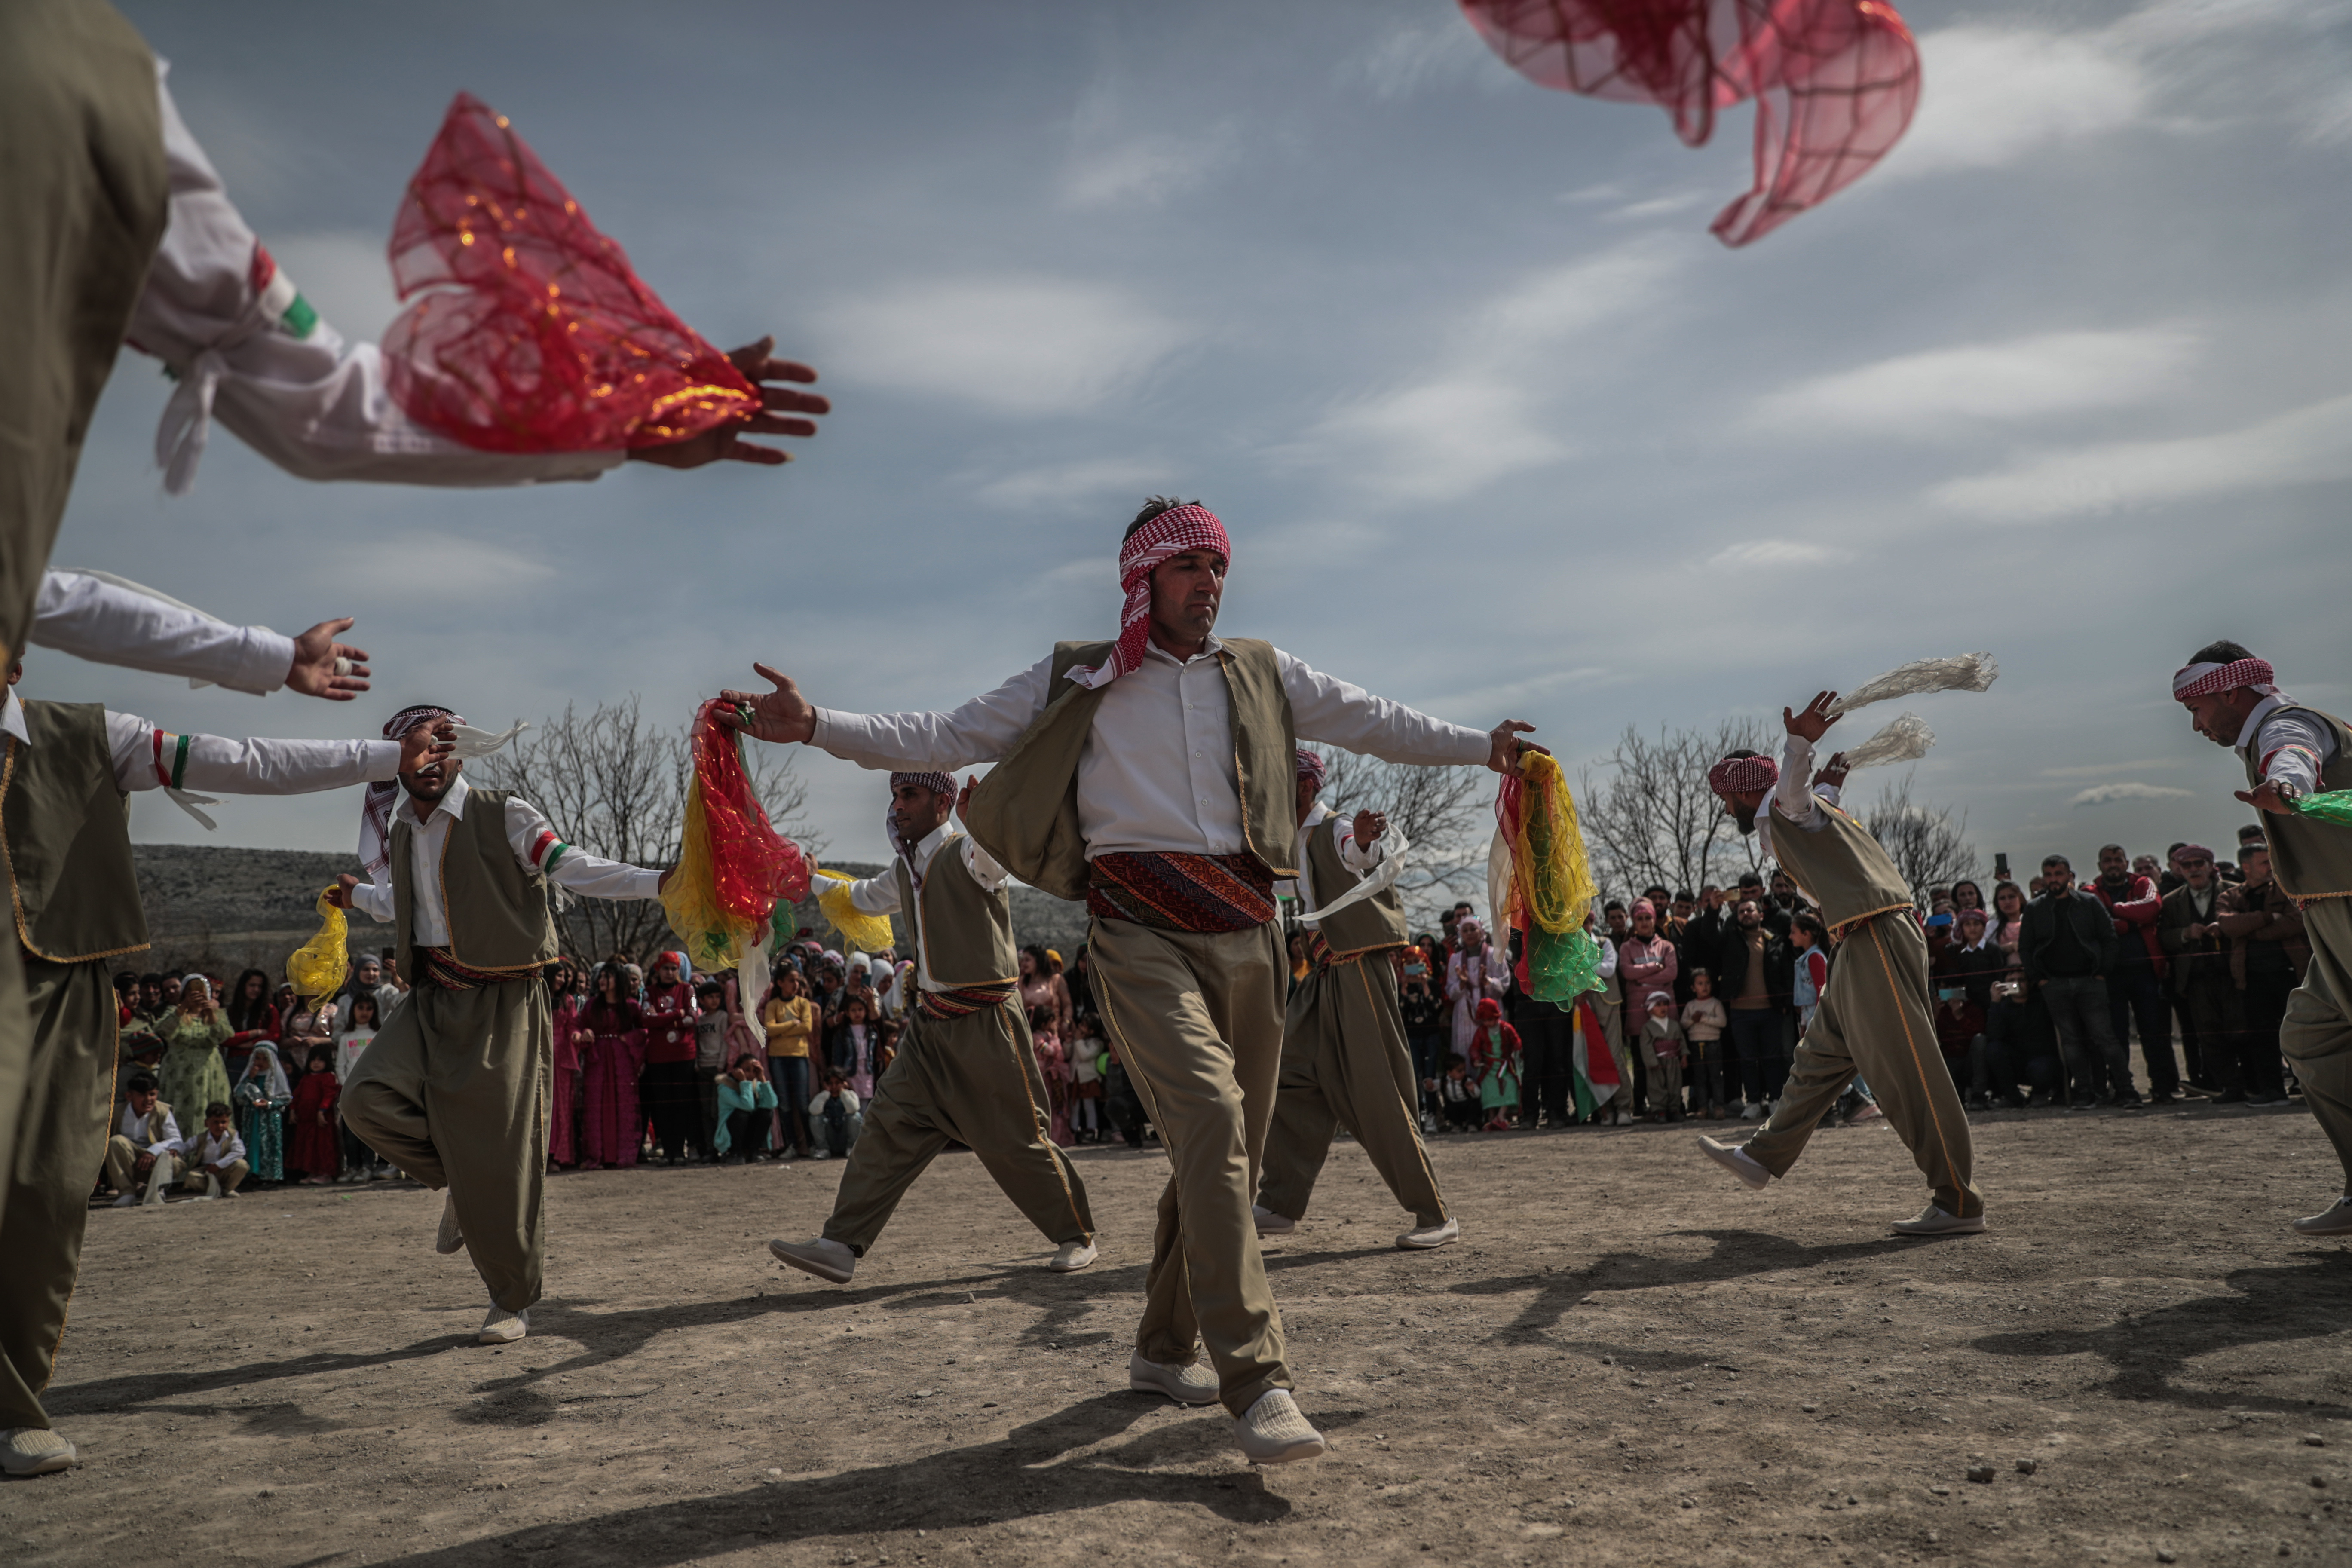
(790, 1077)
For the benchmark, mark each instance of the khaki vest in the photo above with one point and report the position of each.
(964, 935)
(497, 912)
(1369, 923)
(65, 823)
(1842, 868)
(2312, 860)
(1025, 812)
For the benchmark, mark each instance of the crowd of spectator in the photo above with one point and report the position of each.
(2041, 990)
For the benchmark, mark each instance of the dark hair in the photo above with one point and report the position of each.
(1970, 884)
(1751, 880)
(1809, 921)
(217, 1108)
(1152, 507)
(319, 1057)
(753, 1056)
(2175, 848)
(710, 988)
(2116, 847)
(243, 1015)
(2251, 831)
(2253, 847)
(142, 1083)
(1684, 896)
(2054, 858)
(375, 1009)
(2222, 652)
(1613, 904)
(1456, 1060)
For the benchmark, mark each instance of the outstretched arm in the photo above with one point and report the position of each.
(1793, 797)
(1340, 713)
(147, 757)
(982, 730)
(108, 621)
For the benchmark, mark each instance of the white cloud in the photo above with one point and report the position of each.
(1145, 170)
(1993, 96)
(1061, 487)
(345, 276)
(2093, 770)
(1777, 552)
(2108, 794)
(1433, 55)
(2308, 445)
(444, 566)
(1026, 346)
(1938, 392)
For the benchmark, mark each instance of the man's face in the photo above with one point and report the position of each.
(1617, 923)
(916, 811)
(1743, 806)
(2198, 868)
(430, 780)
(2256, 865)
(1306, 793)
(1683, 908)
(1782, 887)
(171, 989)
(151, 993)
(2220, 718)
(2113, 863)
(1186, 590)
(1751, 914)
(2145, 866)
(143, 1101)
(2057, 878)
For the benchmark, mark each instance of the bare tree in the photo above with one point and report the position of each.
(1446, 813)
(615, 785)
(1649, 817)
(1925, 845)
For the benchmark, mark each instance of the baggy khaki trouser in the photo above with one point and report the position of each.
(1197, 1018)
(68, 1088)
(1874, 1019)
(1344, 1064)
(232, 1175)
(453, 1090)
(2317, 1034)
(123, 1166)
(971, 1080)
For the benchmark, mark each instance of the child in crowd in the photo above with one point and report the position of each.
(216, 1159)
(317, 1155)
(1810, 939)
(834, 1115)
(886, 1048)
(360, 1162)
(1087, 1080)
(711, 1022)
(1704, 1021)
(1121, 1104)
(745, 1105)
(850, 1050)
(1458, 1094)
(1959, 1035)
(1495, 1052)
(261, 1096)
(1662, 1053)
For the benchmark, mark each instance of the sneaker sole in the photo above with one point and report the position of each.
(1072, 1268)
(1951, 1228)
(1738, 1172)
(1146, 1386)
(48, 1466)
(807, 1265)
(499, 1339)
(1290, 1452)
(2343, 1229)
(1407, 1244)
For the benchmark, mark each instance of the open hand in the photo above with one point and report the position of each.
(726, 442)
(427, 743)
(1832, 772)
(1814, 721)
(325, 667)
(781, 715)
(963, 797)
(1505, 749)
(2266, 799)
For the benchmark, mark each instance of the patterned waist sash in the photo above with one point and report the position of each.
(446, 972)
(963, 1001)
(1323, 955)
(1176, 891)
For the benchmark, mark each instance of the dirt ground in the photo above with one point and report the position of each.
(1627, 1359)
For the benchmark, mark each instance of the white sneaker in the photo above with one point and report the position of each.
(1737, 1160)
(1624, 1118)
(449, 1238)
(1273, 1432)
(502, 1326)
(1270, 1222)
(1755, 1112)
(2336, 1219)
(1191, 1383)
(127, 1200)
(821, 1154)
(825, 1258)
(1933, 1221)
(33, 1451)
(1072, 1256)
(1420, 1238)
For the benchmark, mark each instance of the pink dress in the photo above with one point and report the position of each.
(612, 1125)
(563, 1092)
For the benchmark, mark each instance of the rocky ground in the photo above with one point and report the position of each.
(1627, 1359)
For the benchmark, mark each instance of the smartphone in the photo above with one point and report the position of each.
(2000, 867)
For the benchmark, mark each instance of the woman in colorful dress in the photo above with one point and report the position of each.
(314, 1150)
(261, 1100)
(192, 1074)
(611, 1122)
(568, 1059)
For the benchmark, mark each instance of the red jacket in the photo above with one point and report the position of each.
(669, 1023)
(2135, 916)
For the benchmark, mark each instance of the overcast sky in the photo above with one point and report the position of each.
(1497, 428)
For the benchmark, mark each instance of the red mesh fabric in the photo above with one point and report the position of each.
(1836, 81)
(532, 333)
(753, 866)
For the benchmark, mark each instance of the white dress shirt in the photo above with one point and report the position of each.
(536, 848)
(248, 350)
(109, 623)
(879, 895)
(1363, 861)
(1792, 799)
(148, 757)
(1157, 771)
(133, 1126)
(2289, 748)
(206, 1150)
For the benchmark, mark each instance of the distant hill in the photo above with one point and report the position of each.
(232, 908)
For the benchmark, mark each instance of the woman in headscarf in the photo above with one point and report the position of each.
(190, 1071)
(612, 1124)
(261, 1100)
(1472, 973)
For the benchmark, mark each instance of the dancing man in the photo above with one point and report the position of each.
(1150, 776)
(1344, 1062)
(453, 1088)
(1875, 1018)
(2292, 750)
(965, 1072)
(67, 833)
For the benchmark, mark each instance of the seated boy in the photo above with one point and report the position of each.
(835, 1118)
(216, 1155)
(145, 1146)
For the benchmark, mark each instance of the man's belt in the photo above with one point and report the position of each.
(1181, 892)
(443, 971)
(962, 1001)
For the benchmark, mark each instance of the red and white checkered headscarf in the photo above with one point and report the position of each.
(1738, 776)
(2209, 680)
(1310, 766)
(375, 805)
(937, 784)
(1171, 534)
